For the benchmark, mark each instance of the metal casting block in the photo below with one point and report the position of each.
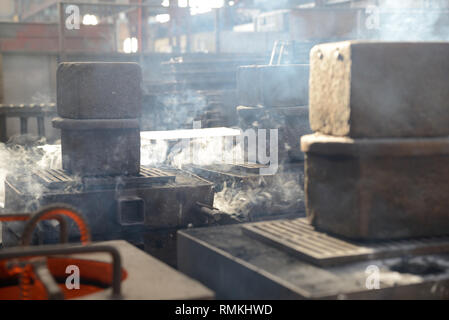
(372, 189)
(379, 89)
(99, 90)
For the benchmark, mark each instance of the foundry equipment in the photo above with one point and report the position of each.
(195, 87)
(275, 96)
(99, 105)
(41, 272)
(270, 98)
(376, 188)
(25, 112)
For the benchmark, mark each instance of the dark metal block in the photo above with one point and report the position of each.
(100, 147)
(273, 86)
(237, 266)
(101, 152)
(377, 188)
(99, 90)
(369, 89)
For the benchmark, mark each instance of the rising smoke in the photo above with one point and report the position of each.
(21, 160)
(409, 20)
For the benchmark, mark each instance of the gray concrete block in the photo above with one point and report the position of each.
(99, 90)
(372, 89)
(377, 188)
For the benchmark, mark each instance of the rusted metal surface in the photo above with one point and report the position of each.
(300, 239)
(377, 188)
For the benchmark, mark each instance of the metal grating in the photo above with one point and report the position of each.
(299, 238)
(147, 172)
(53, 178)
(59, 179)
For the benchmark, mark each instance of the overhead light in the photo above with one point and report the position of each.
(183, 3)
(90, 20)
(130, 45)
(163, 18)
(203, 6)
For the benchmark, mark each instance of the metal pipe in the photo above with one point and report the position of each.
(44, 275)
(56, 211)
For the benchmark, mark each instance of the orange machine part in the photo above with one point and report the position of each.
(95, 276)
(50, 214)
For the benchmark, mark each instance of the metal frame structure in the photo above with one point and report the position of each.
(24, 112)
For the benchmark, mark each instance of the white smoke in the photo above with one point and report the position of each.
(18, 160)
(280, 194)
(264, 196)
(410, 20)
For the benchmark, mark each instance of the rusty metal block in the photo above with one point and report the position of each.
(100, 90)
(377, 188)
(100, 147)
(273, 86)
(369, 89)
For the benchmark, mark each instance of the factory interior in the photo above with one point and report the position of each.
(224, 150)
